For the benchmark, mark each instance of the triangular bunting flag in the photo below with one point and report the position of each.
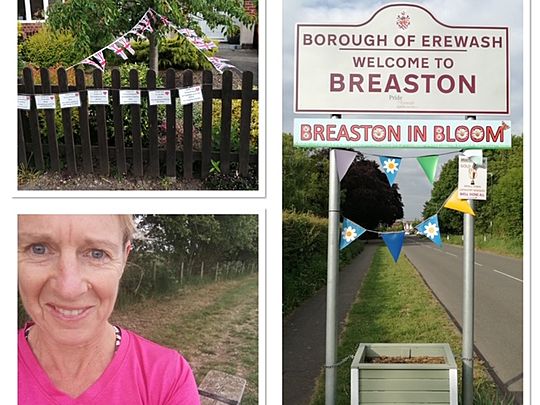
(344, 159)
(429, 165)
(455, 203)
(394, 242)
(390, 166)
(97, 60)
(430, 228)
(349, 233)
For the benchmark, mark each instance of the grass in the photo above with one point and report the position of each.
(502, 246)
(395, 306)
(214, 326)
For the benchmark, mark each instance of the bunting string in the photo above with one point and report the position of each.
(351, 231)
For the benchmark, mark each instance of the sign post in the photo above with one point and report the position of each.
(332, 281)
(468, 305)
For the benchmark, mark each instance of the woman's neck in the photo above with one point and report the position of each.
(73, 369)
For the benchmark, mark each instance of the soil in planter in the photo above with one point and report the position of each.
(406, 360)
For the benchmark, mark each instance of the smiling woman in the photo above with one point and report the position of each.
(69, 271)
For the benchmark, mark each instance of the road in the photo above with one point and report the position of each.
(498, 327)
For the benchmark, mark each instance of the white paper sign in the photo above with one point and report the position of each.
(190, 95)
(130, 97)
(23, 102)
(68, 100)
(472, 179)
(96, 97)
(45, 101)
(157, 97)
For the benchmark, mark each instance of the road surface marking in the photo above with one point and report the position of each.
(507, 275)
(478, 264)
(451, 254)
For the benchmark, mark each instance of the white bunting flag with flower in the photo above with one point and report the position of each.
(430, 229)
(350, 232)
(390, 166)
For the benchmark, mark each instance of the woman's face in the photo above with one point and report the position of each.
(69, 270)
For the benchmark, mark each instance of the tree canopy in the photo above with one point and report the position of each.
(502, 213)
(97, 22)
(369, 199)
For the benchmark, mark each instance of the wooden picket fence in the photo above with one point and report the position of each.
(93, 150)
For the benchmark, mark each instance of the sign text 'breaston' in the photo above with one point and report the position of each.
(402, 60)
(357, 133)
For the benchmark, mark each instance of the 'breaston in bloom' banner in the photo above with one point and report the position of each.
(403, 60)
(359, 133)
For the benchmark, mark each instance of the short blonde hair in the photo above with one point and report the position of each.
(129, 228)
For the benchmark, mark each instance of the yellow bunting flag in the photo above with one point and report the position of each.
(455, 203)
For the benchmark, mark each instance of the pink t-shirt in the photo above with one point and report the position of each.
(141, 372)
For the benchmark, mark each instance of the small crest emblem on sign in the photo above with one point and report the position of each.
(403, 20)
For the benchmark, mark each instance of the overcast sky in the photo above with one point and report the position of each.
(414, 187)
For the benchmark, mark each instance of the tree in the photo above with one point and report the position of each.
(305, 178)
(369, 199)
(97, 22)
(501, 213)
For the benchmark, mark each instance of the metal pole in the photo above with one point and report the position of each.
(332, 282)
(468, 305)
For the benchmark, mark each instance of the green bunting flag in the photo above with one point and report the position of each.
(429, 164)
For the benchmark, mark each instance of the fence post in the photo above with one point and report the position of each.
(37, 149)
(245, 123)
(181, 267)
(226, 107)
(69, 140)
(187, 81)
(84, 122)
(101, 121)
(170, 83)
(217, 271)
(54, 154)
(136, 126)
(153, 158)
(118, 122)
(207, 106)
(21, 150)
(202, 270)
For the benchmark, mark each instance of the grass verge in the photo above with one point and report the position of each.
(507, 247)
(215, 326)
(395, 306)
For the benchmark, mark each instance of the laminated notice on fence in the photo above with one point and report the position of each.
(23, 102)
(190, 95)
(45, 101)
(158, 97)
(130, 97)
(98, 97)
(68, 100)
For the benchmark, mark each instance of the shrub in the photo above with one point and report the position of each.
(235, 125)
(305, 240)
(47, 49)
(174, 52)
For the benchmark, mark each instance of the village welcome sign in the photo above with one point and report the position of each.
(403, 60)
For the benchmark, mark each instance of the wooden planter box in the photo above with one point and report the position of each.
(393, 383)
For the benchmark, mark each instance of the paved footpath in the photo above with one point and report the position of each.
(304, 331)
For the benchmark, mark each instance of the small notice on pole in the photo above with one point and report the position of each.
(472, 179)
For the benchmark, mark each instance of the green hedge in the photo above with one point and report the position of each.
(48, 49)
(305, 240)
